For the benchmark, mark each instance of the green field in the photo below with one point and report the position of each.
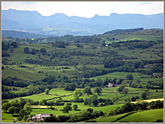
(145, 116)
(7, 117)
(120, 75)
(108, 119)
(63, 64)
(106, 93)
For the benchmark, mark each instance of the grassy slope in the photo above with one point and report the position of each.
(7, 117)
(108, 119)
(149, 34)
(144, 116)
(120, 75)
(107, 93)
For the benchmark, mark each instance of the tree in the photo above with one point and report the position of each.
(43, 102)
(4, 101)
(129, 77)
(120, 89)
(14, 103)
(90, 110)
(11, 49)
(14, 44)
(33, 51)
(95, 101)
(26, 50)
(87, 90)
(22, 103)
(148, 86)
(127, 107)
(144, 96)
(67, 108)
(77, 93)
(75, 107)
(69, 86)
(59, 44)
(11, 109)
(125, 91)
(28, 108)
(17, 109)
(5, 106)
(43, 51)
(98, 90)
(22, 113)
(46, 91)
(25, 117)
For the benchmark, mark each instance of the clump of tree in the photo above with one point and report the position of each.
(21, 108)
(94, 101)
(123, 90)
(87, 90)
(77, 93)
(70, 86)
(144, 96)
(43, 51)
(98, 90)
(75, 107)
(134, 98)
(67, 108)
(33, 51)
(46, 91)
(129, 77)
(59, 44)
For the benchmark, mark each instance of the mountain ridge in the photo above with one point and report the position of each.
(61, 24)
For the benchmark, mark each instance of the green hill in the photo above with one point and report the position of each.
(20, 34)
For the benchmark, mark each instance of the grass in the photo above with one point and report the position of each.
(60, 91)
(144, 116)
(49, 111)
(106, 93)
(120, 75)
(7, 117)
(108, 119)
(31, 73)
(35, 97)
(81, 107)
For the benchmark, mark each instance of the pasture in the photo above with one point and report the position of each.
(121, 75)
(108, 119)
(110, 93)
(144, 116)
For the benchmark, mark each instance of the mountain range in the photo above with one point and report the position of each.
(60, 24)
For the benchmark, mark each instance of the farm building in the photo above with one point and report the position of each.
(110, 85)
(39, 117)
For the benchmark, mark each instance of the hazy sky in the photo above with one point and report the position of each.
(87, 9)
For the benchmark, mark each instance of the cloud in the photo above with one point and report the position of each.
(87, 9)
(28, 2)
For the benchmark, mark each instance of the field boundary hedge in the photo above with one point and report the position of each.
(124, 116)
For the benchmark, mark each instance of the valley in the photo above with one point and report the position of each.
(100, 78)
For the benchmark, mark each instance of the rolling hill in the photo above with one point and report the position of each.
(20, 34)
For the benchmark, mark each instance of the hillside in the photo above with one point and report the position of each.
(60, 24)
(109, 36)
(104, 77)
(19, 34)
(119, 31)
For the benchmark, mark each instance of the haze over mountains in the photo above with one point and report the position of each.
(60, 24)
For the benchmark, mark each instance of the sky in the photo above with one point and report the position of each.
(87, 9)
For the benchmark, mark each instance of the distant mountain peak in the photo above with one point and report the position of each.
(33, 20)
